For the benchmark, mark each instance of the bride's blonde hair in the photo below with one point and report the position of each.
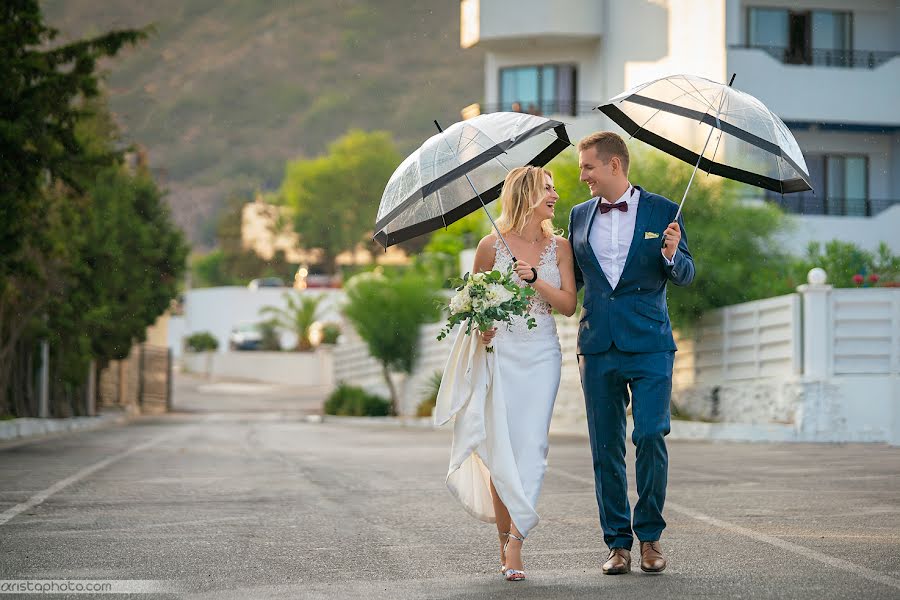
(523, 190)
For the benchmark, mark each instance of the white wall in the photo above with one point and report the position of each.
(314, 369)
(538, 20)
(893, 172)
(825, 94)
(865, 232)
(841, 381)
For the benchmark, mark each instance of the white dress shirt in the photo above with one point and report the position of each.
(611, 234)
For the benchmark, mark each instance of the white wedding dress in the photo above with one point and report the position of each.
(502, 403)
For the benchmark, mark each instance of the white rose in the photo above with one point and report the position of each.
(497, 294)
(461, 302)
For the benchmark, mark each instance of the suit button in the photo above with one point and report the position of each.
(612, 298)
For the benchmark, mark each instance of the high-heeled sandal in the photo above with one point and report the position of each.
(513, 574)
(503, 535)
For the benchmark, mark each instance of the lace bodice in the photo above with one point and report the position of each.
(548, 271)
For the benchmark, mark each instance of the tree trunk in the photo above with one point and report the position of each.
(395, 400)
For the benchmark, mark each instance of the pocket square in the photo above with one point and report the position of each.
(649, 235)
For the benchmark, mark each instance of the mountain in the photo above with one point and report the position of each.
(226, 91)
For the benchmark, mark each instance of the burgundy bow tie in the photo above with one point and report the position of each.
(605, 207)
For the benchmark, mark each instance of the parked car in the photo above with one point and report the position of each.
(255, 284)
(246, 336)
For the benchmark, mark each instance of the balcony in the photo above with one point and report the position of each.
(863, 92)
(833, 207)
(546, 109)
(493, 25)
(820, 57)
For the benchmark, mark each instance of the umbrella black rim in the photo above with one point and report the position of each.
(542, 158)
(786, 186)
(471, 205)
(470, 165)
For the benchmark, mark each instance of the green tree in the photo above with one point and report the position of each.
(137, 258)
(334, 198)
(387, 314)
(44, 167)
(301, 312)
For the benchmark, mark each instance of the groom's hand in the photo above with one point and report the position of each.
(673, 238)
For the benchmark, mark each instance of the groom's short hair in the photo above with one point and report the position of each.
(606, 144)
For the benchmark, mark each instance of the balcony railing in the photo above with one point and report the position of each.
(846, 207)
(555, 107)
(820, 57)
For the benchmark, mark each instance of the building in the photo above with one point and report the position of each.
(265, 229)
(829, 69)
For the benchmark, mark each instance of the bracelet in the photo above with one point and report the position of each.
(534, 278)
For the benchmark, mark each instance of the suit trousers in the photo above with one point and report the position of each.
(607, 378)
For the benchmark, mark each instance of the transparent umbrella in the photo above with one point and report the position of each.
(682, 114)
(461, 169)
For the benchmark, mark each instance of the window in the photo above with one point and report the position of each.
(539, 89)
(841, 184)
(817, 37)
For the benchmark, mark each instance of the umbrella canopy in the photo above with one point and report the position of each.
(677, 113)
(459, 170)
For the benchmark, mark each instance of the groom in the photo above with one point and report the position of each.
(627, 247)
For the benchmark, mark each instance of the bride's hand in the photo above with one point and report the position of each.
(523, 270)
(487, 336)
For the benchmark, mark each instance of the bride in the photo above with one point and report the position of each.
(500, 448)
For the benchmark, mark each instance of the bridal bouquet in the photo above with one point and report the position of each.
(483, 298)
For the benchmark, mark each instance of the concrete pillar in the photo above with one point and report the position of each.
(734, 23)
(44, 398)
(91, 393)
(894, 432)
(817, 325)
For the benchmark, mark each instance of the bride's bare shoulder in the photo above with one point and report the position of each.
(563, 246)
(487, 241)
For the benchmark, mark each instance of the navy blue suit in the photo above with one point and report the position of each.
(625, 344)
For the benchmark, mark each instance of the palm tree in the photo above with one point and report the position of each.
(301, 312)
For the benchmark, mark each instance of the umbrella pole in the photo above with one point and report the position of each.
(699, 159)
(486, 211)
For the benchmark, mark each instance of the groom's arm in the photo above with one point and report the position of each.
(579, 276)
(680, 270)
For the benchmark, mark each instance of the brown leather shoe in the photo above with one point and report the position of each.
(618, 562)
(652, 559)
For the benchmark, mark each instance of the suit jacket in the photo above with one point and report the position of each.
(633, 316)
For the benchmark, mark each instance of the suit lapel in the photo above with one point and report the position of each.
(586, 238)
(645, 208)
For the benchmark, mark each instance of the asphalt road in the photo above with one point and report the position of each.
(238, 496)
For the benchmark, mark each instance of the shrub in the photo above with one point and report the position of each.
(430, 389)
(848, 265)
(387, 313)
(352, 401)
(270, 341)
(330, 333)
(202, 341)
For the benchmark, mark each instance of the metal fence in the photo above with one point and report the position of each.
(827, 57)
(140, 383)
